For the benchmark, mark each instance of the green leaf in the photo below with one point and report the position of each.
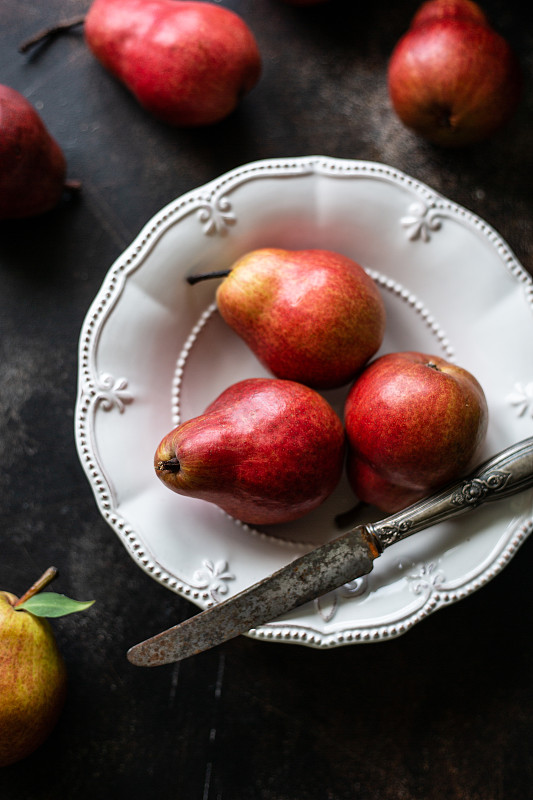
(50, 604)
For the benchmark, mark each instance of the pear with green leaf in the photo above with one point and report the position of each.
(33, 676)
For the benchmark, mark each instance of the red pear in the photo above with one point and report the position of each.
(32, 165)
(414, 422)
(312, 316)
(264, 451)
(452, 78)
(188, 63)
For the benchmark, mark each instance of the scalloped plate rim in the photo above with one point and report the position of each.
(109, 294)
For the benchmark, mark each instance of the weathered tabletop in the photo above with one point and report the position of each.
(445, 711)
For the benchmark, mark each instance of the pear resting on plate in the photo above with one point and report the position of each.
(269, 450)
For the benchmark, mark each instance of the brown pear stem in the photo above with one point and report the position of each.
(205, 276)
(46, 578)
(48, 33)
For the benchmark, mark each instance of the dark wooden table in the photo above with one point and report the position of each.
(442, 713)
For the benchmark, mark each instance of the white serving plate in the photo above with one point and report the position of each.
(153, 351)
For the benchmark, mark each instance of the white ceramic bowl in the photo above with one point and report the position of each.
(153, 351)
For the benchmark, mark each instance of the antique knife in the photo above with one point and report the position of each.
(331, 565)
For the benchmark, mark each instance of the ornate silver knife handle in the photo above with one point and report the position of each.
(507, 473)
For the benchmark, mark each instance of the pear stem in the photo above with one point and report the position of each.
(46, 578)
(48, 33)
(205, 276)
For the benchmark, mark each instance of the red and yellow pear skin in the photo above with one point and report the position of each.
(452, 78)
(312, 316)
(265, 451)
(414, 422)
(33, 681)
(187, 63)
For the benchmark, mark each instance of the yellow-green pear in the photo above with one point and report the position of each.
(33, 680)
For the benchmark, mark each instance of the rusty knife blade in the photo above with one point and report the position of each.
(312, 575)
(349, 556)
